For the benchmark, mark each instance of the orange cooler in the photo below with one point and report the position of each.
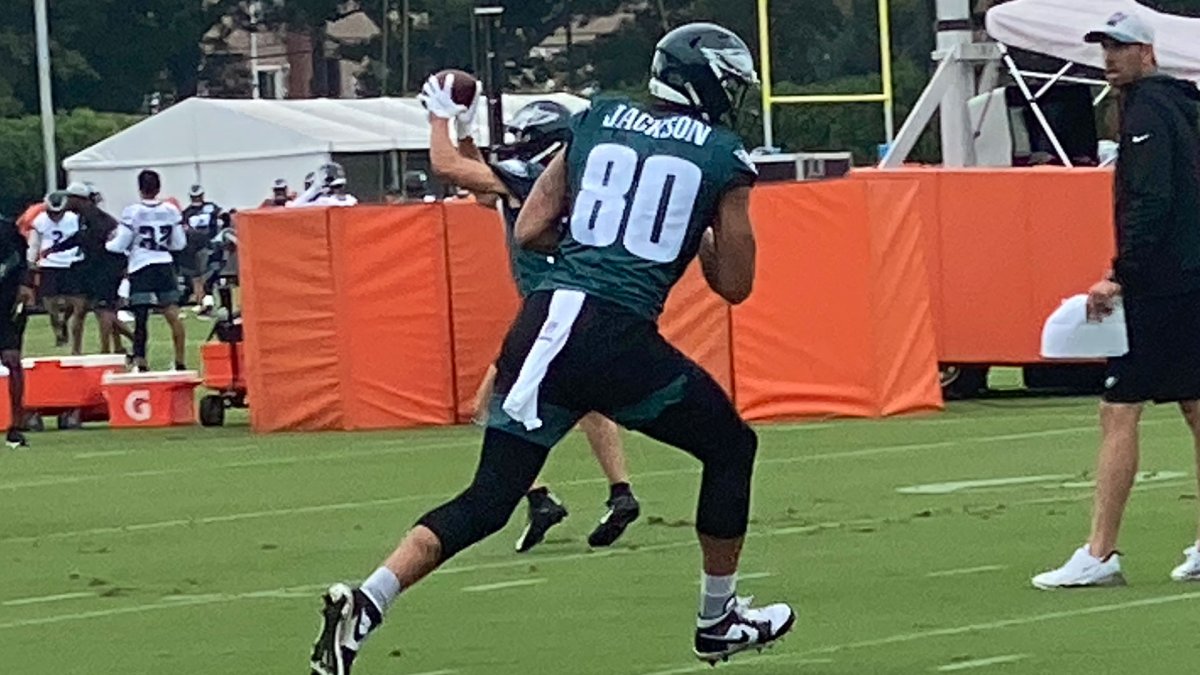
(68, 382)
(162, 399)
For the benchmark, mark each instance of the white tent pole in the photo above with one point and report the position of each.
(45, 95)
(1054, 79)
(1033, 104)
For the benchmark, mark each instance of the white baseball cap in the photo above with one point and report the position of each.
(1124, 27)
(78, 189)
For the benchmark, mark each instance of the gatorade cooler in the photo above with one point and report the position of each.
(5, 400)
(69, 385)
(151, 399)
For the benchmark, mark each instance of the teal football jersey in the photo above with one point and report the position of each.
(645, 183)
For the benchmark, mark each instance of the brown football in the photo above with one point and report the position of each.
(463, 90)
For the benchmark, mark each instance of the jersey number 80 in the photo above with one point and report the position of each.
(656, 222)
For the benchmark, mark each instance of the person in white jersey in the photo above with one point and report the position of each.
(327, 189)
(149, 232)
(59, 288)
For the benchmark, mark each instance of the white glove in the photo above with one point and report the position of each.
(437, 99)
(464, 122)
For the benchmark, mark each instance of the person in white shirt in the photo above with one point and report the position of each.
(149, 232)
(327, 189)
(59, 288)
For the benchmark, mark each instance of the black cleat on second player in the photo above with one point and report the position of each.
(545, 511)
(623, 509)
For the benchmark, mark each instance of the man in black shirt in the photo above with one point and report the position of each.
(100, 272)
(1156, 278)
(16, 295)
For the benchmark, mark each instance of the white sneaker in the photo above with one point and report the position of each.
(742, 627)
(1083, 569)
(1190, 569)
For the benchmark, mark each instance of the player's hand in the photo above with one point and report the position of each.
(25, 296)
(464, 122)
(437, 98)
(1101, 299)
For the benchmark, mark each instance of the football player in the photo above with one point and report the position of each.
(58, 274)
(539, 131)
(646, 188)
(327, 189)
(149, 232)
(200, 224)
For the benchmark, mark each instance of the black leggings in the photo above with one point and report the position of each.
(141, 332)
(703, 424)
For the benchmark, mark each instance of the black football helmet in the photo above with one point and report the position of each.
(537, 130)
(704, 67)
(331, 175)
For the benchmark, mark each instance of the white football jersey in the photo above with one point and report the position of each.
(336, 200)
(149, 231)
(51, 233)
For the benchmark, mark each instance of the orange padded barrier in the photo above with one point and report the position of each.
(1005, 247)
(483, 297)
(375, 317)
(827, 331)
(393, 316)
(289, 308)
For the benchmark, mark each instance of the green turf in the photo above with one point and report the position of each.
(39, 339)
(201, 551)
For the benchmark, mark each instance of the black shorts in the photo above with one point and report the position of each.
(12, 325)
(1163, 362)
(59, 282)
(154, 286)
(101, 286)
(611, 362)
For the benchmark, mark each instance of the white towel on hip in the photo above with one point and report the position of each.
(521, 402)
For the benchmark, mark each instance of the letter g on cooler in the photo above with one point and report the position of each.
(137, 405)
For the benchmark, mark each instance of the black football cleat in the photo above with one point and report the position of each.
(622, 511)
(546, 514)
(348, 617)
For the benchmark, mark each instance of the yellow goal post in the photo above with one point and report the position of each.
(769, 99)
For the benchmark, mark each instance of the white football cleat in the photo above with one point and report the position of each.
(1189, 570)
(1083, 569)
(742, 627)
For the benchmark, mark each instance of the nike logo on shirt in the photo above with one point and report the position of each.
(1140, 139)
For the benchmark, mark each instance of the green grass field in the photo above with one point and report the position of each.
(199, 551)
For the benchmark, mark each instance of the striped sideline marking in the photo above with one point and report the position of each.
(980, 663)
(321, 508)
(943, 632)
(399, 447)
(965, 570)
(46, 598)
(483, 588)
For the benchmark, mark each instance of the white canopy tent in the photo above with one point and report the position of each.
(1056, 28)
(235, 148)
(974, 129)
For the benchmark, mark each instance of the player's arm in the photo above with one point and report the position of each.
(122, 236)
(309, 196)
(178, 240)
(468, 149)
(65, 245)
(452, 166)
(727, 250)
(33, 254)
(537, 223)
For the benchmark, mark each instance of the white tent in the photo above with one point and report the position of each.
(237, 147)
(1056, 28)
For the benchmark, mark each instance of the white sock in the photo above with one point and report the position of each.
(382, 587)
(715, 593)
